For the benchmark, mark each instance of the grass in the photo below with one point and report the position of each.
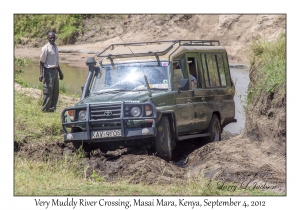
(28, 27)
(31, 124)
(62, 87)
(32, 27)
(268, 64)
(64, 178)
(19, 64)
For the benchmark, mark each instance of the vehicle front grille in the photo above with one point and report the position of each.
(106, 111)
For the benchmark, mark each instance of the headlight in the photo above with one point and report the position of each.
(136, 111)
(82, 115)
(148, 110)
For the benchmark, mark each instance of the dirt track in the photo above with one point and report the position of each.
(237, 162)
(248, 162)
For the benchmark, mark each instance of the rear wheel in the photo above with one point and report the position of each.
(214, 129)
(163, 139)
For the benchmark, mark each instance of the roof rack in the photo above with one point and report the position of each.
(199, 42)
(109, 54)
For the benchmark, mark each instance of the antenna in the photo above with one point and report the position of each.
(145, 77)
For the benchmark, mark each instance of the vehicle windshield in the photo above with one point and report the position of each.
(131, 77)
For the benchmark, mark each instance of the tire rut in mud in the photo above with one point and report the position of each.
(237, 160)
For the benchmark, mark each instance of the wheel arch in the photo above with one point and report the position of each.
(218, 115)
(172, 122)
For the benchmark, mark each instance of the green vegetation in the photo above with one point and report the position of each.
(62, 87)
(30, 27)
(19, 64)
(267, 67)
(31, 124)
(64, 177)
(67, 27)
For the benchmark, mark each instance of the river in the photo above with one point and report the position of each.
(74, 79)
(240, 77)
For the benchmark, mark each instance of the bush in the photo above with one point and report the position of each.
(67, 27)
(19, 64)
(267, 67)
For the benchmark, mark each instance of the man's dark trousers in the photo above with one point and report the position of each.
(50, 90)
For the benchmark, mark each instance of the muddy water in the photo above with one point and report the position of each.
(74, 79)
(240, 76)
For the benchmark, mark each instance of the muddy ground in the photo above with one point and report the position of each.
(245, 160)
(239, 160)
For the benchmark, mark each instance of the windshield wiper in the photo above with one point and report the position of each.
(155, 88)
(109, 90)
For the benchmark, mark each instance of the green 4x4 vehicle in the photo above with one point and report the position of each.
(152, 94)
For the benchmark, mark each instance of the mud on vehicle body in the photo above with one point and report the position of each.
(153, 94)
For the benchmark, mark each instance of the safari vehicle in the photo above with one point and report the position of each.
(152, 94)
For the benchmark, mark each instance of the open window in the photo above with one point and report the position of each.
(193, 72)
(177, 74)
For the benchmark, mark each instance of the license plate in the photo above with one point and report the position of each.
(106, 134)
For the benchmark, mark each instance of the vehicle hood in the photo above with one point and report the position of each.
(128, 96)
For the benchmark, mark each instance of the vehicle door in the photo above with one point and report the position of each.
(183, 98)
(216, 82)
(198, 93)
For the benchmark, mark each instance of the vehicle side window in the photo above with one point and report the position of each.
(221, 68)
(213, 70)
(205, 70)
(193, 72)
(178, 75)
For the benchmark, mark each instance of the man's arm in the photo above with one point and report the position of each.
(41, 71)
(61, 75)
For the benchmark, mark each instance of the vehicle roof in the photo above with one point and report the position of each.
(152, 51)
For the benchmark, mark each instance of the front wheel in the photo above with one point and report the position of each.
(214, 129)
(85, 148)
(163, 139)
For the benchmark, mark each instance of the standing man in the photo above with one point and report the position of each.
(49, 71)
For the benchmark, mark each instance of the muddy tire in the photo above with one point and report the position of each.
(84, 147)
(103, 150)
(163, 139)
(214, 129)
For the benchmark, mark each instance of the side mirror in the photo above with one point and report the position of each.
(184, 84)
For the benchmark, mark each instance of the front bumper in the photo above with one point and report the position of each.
(129, 134)
(127, 126)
